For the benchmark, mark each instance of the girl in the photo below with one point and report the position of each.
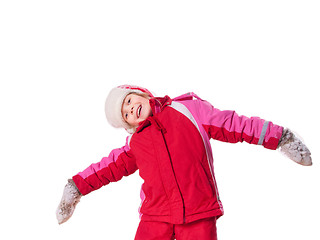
(169, 143)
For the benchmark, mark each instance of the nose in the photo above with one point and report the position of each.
(131, 110)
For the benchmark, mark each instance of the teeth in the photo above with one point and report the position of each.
(139, 111)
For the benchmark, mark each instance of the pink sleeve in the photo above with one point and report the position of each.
(119, 163)
(228, 126)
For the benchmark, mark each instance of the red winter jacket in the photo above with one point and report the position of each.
(172, 151)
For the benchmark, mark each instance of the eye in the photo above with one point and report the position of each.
(129, 101)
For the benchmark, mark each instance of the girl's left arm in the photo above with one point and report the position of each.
(228, 126)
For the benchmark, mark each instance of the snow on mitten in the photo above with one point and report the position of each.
(294, 148)
(70, 198)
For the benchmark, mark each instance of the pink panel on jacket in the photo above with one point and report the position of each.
(113, 156)
(273, 131)
(208, 115)
(197, 122)
(142, 197)
(228, 121)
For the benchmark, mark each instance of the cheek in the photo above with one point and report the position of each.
(132, 122)
(148, 112)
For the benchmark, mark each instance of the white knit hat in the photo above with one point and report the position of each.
(114, 103)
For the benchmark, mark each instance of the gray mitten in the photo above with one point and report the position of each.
(70, 198)
(294, 148)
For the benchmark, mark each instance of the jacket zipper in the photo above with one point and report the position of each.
(206, 141)
(184, 209)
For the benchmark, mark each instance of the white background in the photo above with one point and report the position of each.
(59, 59)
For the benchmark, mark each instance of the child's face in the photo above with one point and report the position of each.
(135, 109)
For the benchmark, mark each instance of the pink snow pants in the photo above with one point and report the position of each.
(204, 229)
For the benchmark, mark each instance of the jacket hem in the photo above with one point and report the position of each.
(194, 217)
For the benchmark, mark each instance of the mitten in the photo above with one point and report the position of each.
(294, 148)
(70, 198)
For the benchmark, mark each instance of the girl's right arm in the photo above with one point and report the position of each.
(120, 162)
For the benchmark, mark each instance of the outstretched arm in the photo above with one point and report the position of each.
(228, 126)
(119, 163)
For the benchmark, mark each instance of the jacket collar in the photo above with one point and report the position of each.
(157, 105)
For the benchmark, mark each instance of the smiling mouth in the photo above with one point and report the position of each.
(139, 111)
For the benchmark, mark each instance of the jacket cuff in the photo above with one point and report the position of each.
(273, 136)
(81, 185)
(74, 185)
